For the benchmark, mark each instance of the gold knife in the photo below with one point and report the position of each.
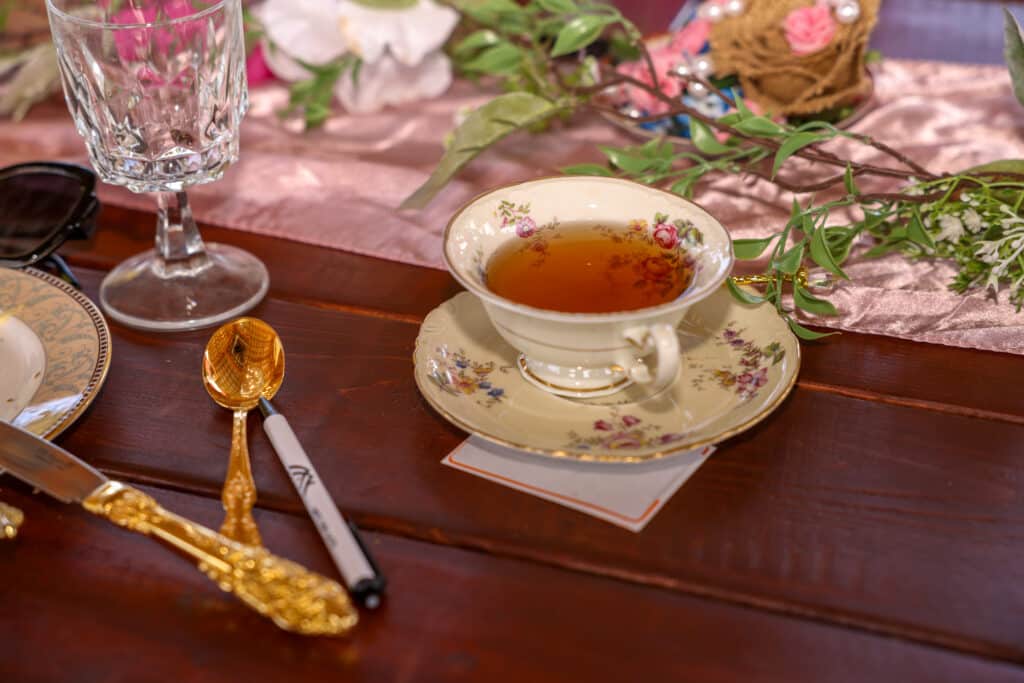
(295, 598)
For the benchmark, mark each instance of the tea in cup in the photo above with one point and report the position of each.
(588, 277)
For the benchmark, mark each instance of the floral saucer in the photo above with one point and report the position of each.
(738, 363)
(74, 339)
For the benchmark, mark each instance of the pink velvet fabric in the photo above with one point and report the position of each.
(338, 187)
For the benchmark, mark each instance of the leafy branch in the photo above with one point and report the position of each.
(538, 53)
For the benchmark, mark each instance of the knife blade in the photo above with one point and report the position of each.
(295, 598)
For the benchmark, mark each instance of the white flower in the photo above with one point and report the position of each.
(988, 252)
(408, 34)
(387, 81)
(399, 47)
(972, 220)
(952, 228)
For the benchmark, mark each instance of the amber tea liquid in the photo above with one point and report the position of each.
(589, 268)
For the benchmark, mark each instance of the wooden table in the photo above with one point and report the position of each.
(871, 530)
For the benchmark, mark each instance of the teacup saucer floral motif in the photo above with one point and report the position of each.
(466, 370)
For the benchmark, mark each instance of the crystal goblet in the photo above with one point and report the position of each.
(157, 90)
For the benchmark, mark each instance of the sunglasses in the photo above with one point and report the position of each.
(42, 205)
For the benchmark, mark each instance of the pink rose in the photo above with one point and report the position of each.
(525, 226)
(629, 420)
(809, 29)
(692, 38)
(666, 236)
(603, 426)
(256, 69)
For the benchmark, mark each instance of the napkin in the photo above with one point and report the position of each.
(628, 496)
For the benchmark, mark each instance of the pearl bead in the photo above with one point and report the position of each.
(711, 12)
(634, 113)
(696, 89)
(703, 66)
(681, 71)
(734, 8)
(847, 12)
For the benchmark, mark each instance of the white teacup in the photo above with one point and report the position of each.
(587, 354)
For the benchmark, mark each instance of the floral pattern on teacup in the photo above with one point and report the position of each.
(456, 374)
(751, 370)
(622, 432)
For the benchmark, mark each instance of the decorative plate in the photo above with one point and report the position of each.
(738, 363)
(23, 362)
(76, 342)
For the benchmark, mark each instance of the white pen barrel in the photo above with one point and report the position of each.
(337, 536)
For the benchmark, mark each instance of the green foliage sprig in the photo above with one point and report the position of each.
(537, 52)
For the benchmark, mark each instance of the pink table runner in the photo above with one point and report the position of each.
(338, 187)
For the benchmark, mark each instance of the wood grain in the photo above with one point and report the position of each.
(86, 602)
(891, 519)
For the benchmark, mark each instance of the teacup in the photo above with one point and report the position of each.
(584, 355)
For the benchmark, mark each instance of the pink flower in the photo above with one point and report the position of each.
(623, 440)
(256, 69)
(745, 378)
(666, 236)
(136, 44)
(629, 420)
(525, 226)
(603, 426)
(664, 59)
(761, 377)
(809, 29)
(691, 38)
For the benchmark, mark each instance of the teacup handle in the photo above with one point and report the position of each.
(660, 339)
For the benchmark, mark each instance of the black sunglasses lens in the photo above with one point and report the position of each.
(34, 207)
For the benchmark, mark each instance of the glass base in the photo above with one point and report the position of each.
(145, 293)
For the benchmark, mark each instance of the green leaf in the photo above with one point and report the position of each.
(493, 13)
(684, 186)
(791, 146)
(742, 109)
(790, 261)
(578, 33)
(559, 6)
(760, 126)
(804, 333)
(475, 41)
(917, 234)
(805, 300)
(750, 248)
(742, 294)
(1001, 166)
(481, 129)
(840, 241)
(628, 160)
(851, 186)
(822, 255)
(704, 139)
(1013, 49)
(587, 169)
(502, 58)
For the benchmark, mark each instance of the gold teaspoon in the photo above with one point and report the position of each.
(243, 361)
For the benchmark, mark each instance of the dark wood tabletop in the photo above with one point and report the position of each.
(872, 529)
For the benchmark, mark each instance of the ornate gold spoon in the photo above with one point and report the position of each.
(243, 362)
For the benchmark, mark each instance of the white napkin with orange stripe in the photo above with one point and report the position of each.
(626, 495)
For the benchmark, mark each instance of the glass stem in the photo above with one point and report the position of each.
(177, 237)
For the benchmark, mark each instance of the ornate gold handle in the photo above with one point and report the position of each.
(295, 598)
(239, 493)
(10, 519)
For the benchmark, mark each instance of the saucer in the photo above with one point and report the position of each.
(75, 342)
(738, 363)
(23, 361)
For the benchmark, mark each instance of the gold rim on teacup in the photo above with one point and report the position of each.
(585, 354)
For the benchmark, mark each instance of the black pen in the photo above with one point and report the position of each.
(361, 574)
